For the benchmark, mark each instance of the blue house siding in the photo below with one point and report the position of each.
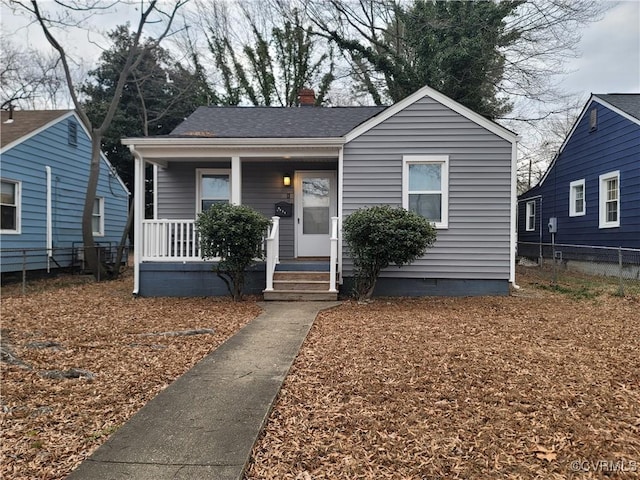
(25, 162)
(613, 146)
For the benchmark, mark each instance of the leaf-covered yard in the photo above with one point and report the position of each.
(537, 385)
(125, 350)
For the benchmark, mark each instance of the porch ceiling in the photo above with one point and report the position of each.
(162, 150)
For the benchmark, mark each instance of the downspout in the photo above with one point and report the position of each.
(49, 221)
(138, 215)
(514, 206)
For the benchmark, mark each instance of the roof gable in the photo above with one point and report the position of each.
(426, 91)
(273, 122)
(629, 101)
(29, 123)
(26, 123)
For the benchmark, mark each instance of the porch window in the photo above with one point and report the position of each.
(97, 218)
(213, 186)
(425, 187)
(576, 198)
(10, 206)
(531, 216)
(610, 200)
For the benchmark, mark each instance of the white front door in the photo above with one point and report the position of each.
(316, 203)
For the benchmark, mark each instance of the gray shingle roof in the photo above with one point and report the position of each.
(24, 122)
(627, 102)
(273, 122)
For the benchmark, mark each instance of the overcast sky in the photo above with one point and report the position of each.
(609, 62)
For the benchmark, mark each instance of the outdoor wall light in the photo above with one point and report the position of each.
(286, 180)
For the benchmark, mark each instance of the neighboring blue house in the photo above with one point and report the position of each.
(592, 186)
(45, 157)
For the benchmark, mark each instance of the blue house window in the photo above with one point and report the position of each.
(73, 133)
(610, 200)
(97, 217)
(531, 216)
(9, 206)
(577, 200)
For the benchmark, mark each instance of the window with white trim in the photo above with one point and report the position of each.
(97, 217)
(213, 186)
(9, 206)
(577, 200)
(610, 200)
(425, 187)
(531, 216)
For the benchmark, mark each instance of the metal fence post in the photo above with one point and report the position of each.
(24, 272)
(621, 286)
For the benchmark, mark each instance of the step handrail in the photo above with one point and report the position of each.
(333, 259)
(273, 251)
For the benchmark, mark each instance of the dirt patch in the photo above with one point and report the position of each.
(537, 385)
(98, 335)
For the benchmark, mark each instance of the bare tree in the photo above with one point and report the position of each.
(30, 78)
(150, 12)
(544, 144)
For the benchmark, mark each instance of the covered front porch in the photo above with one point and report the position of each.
(297, 187)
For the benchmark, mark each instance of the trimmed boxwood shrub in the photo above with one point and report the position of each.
(383, 235)
(233, 233)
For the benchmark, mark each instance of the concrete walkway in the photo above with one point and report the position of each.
(204, 425)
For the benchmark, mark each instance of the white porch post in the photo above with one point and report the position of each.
(138, 216)
(340, 208)
(236, 181)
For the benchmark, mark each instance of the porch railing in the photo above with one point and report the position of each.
(170, 240)
(273, 251)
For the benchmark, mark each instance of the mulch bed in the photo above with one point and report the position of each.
(84, 357)
(536, 385)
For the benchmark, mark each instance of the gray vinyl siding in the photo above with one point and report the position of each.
(177, 189)
(477, 243)
(261, 189)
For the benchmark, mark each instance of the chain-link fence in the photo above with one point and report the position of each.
(560, 264)
(23, 265)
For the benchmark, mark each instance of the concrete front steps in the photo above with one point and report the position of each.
(300, 285)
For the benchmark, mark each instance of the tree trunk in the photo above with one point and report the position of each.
(91, 256)
(123, 240)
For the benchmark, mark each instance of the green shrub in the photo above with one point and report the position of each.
(234, 234)
(380, 236)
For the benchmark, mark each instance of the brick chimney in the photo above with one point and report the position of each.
(306, 97)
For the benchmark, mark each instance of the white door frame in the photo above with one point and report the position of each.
(333, 203)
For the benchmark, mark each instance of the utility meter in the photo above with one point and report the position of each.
(553, 224)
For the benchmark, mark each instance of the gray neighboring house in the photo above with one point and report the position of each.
(310, 167)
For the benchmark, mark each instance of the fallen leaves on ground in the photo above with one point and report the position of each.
(126, 349)
(518, 387)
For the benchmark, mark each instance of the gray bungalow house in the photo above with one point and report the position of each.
(308, 168)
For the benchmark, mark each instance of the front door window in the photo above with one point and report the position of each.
(316, 202)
